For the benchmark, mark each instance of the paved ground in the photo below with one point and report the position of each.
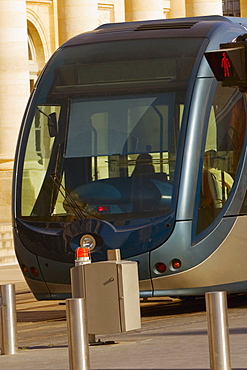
(176, 341)
(11, 275)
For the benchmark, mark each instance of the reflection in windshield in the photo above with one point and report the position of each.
(110, 135)
(107, 141)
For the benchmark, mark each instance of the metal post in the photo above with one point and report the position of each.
(8, 320)
(218, 332)
(77, 334)
(79, 290)
(113, 255)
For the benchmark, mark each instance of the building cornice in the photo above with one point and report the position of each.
(39, 1)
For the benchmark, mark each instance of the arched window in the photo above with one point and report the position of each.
(33, 65)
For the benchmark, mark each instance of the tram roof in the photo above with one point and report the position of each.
(176, 27)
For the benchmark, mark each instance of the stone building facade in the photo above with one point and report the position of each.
(31, 30)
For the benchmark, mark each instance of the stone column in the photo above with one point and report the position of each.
(177, 9)
(243, 8)
(202, 7)
(137, 10)
(14, 82)
(75, 17)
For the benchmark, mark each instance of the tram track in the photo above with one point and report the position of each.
(31, 310)
(42, 324)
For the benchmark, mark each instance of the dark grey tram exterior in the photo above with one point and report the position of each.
(129, 140)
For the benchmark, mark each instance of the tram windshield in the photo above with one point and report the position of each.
(104, 131)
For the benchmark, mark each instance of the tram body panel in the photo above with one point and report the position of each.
(27, 258)
(199, 109)
(180, 246)
(223, 267)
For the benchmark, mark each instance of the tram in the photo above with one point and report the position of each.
(128, 142)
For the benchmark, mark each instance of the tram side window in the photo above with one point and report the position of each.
(223, 148)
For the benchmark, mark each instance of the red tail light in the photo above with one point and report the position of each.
(103, 208)
(176, 264)
(25, 270)
(160, 267)
(34, 272)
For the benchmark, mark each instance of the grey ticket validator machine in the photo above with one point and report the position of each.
(111, 290)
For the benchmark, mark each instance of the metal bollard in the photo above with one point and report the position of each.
(8, 320)
(113, 255)
(218, 332)
(77, 334)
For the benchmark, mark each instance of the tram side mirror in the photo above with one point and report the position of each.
(52, 124)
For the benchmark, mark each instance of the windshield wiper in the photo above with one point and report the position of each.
(73, 201)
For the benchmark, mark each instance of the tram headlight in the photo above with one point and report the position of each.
(88, 241)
